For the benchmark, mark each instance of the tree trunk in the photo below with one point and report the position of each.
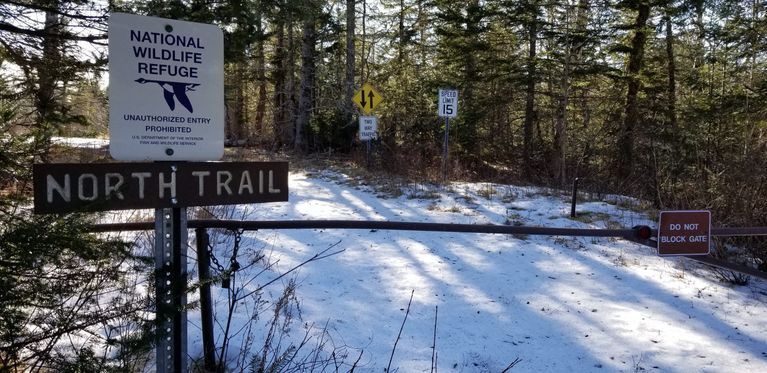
(363, 39)
(260, 79)
(307, 82)
(390, 130)
(47, 72)
(698, 47)
(284, 78)
(279, 80)
(421, 19)
(631, 118)
(562, 99)
(572, 56)
(401, 33)
(289, 131)
(351, 19)
(468, 135)
(236, 104)
(532, 37)
(671, 69)
(560, 129)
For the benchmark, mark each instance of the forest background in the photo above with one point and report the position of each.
(661, 100)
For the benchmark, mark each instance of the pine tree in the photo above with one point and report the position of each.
(625, 151)
(52, 272)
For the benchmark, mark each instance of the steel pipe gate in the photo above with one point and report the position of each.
(171, 348)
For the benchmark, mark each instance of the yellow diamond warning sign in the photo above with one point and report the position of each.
(367, 98)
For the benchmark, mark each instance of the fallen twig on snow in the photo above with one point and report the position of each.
(388, 368)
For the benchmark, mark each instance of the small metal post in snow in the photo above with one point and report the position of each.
(575, 197)
(445, 150)
(367, 153)
(206, 304)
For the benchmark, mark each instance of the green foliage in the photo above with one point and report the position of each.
(52, 273)
(51, 276)
(57, 281)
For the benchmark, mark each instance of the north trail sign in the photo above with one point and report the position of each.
(166, 89)
(61, 188)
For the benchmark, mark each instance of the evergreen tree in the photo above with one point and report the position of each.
(631, 118)
(53, 274)
(462, 49)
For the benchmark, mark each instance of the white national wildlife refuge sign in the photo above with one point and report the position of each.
(166, 89)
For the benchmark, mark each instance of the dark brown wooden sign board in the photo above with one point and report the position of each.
(88, 187)
(684, 233)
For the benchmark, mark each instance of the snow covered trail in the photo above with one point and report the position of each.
(560, 304)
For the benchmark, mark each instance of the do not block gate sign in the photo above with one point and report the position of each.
(684, 233)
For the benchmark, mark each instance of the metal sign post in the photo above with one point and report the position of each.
(170, 287)
(445, 148)
(206, 304)
(367, 154)
(447, 107)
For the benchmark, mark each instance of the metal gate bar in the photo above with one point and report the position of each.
(411, 226)
(383, 225)
(640, 234)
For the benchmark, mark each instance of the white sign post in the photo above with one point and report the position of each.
(447, 108)
(166, 89)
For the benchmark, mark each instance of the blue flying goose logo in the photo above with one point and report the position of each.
(173, 91)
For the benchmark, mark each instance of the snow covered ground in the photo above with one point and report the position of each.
(81, 142)
(550, 304)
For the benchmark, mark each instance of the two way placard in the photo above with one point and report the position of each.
(368, 128)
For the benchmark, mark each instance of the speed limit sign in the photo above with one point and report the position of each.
(448, 103)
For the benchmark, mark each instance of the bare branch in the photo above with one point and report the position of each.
(48, 9)
(43, 34)
(321, 255)
(434, 343)
(399, 335)
(513, 363)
